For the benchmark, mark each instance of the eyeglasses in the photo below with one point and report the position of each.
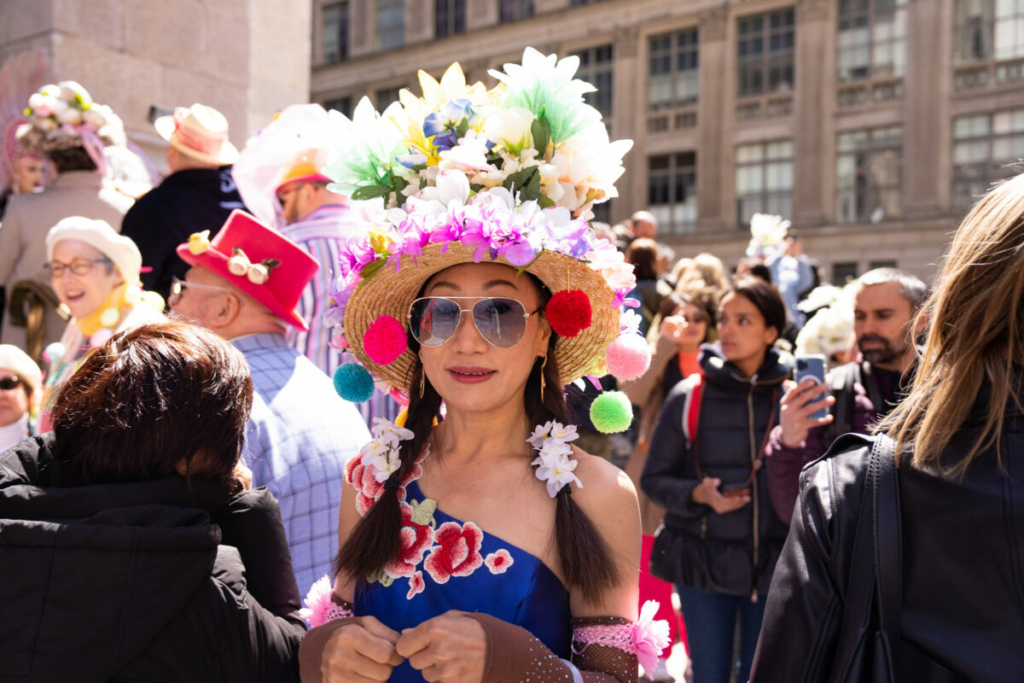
(10, 382)
(178, 289)
(78, 267)
(433, 320)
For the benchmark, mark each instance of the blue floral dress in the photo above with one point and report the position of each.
(449, 564)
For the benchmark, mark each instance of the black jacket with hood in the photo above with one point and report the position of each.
(733, 553)
(156, 580)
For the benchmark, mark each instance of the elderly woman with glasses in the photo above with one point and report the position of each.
(95, 274)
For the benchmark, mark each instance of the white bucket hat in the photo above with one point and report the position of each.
(118, 248)
(200, 132)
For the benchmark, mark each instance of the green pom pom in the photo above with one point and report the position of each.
(611, 412)
(353, 382)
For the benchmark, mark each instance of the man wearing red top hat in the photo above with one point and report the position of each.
(199, 194)
(244, 284)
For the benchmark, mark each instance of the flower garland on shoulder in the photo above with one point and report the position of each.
(554, 465)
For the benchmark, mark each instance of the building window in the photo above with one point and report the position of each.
(390, 24)
(875, 265)
(581, 3)
(986, 149)
(843, 272)
(596, 69)
(764, 180)
(603, 212)
(872, 39)
(341, 104)
(869, 168)
(988, 29)
(335, 32)
(449, 17)
(672, 191)
(514, 10)
(672, 74)
(387, 96)
(766, 50)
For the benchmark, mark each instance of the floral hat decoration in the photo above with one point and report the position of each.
(64, 116)
(470, 175)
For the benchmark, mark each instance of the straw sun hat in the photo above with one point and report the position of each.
(470, 175)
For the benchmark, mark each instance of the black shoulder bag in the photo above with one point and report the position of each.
(870, 636)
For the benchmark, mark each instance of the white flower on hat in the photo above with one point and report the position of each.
(70, 116)
(511, 127)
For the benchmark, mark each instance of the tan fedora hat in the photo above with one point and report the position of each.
(200, 132)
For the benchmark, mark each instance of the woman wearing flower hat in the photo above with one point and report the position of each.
(71, 130)
(20, 381)
(456, 563)
(95, 273)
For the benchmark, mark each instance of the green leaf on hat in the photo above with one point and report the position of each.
(541, 131)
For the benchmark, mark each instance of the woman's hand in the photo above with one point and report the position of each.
(707, 493)
(361, 652)
(451, 648)
(797, 406)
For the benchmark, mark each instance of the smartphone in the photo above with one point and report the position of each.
(732, 490)
(813, 366)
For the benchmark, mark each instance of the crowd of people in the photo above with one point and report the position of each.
(335, 364)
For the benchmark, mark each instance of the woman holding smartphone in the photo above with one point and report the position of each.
(720, 538)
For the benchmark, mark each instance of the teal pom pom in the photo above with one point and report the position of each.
(53, 353)
(353, 382)
(611, 412)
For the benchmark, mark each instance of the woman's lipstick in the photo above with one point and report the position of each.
(470, 375)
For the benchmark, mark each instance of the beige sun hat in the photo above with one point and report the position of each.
(13, 359)
(390, 292)
(200, 132)
(119, 249)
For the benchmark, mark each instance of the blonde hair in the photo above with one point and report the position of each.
(975, 335)
(704, 270)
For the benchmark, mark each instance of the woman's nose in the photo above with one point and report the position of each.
(467, 337)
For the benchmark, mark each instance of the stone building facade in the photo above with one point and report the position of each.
(247, 58)
(871, 124)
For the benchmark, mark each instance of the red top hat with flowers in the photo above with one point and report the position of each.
(261, 262)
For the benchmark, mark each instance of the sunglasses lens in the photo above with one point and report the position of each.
(433, 320)
(502, 322)
(8, 383)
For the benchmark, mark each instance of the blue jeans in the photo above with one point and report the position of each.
(710, 620)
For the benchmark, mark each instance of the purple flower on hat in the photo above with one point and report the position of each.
(442, 125)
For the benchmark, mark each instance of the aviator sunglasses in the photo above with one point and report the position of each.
(501, 321)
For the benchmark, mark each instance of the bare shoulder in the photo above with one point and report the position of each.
(602, 481)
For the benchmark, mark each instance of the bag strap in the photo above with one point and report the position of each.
(874, 580)
(888, 546)
(691, 415)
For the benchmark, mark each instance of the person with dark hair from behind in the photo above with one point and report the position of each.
(132, 547)
(753, 267)
(885, 303)
(720, 537)
(650, 289)
(952, 603)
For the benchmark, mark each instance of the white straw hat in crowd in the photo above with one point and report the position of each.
(13, 359)
(200, 132)
(119, 249)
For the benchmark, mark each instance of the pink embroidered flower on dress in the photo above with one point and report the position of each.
(416, 540)
(499, 562)
(416, 585)
(457, 552)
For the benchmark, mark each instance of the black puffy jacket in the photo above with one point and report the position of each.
(962, 558)
(153, 581)
(733, 553)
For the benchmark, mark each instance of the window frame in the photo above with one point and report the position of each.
(767, 62)
(871, 14)
(679, 167)
(343, 26)
(451, 18)
(768, 198)
(993, 169)
(983, 30)
(390, 33)
(592, 67)
(675, 52)
(865, 188)
(510, 11)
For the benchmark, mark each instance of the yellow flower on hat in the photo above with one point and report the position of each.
(198, 242)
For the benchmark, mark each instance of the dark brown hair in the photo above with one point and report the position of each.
(149, 399)
(72, 159)
(765, 298)
(585, 559)
(643, 254)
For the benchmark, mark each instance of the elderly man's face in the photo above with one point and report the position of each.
(645, 229)
(197, 299)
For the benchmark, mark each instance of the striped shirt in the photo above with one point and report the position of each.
(321, 234)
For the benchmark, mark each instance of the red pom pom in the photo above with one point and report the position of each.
(569, 312)
(385, 340)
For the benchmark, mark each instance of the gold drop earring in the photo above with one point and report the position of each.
(543, 382)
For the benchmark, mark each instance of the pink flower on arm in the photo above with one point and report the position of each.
(457, 552)
(416, 585)
(650, 636)
(499, 562)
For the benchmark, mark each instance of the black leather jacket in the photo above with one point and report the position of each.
(962, 557)
(733, 553)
